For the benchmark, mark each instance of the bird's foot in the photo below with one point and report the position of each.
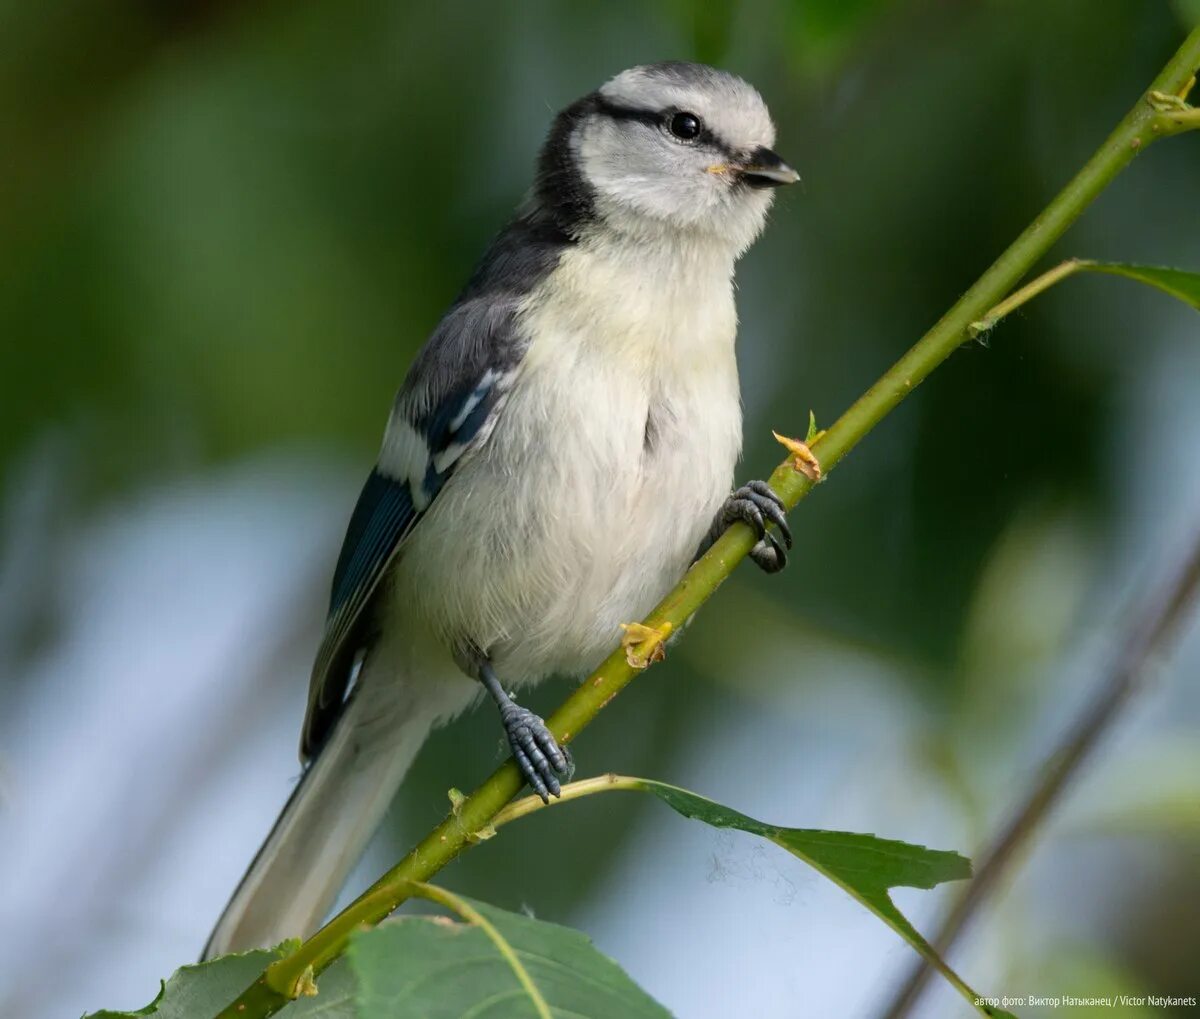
(537, 753)
(757, 505)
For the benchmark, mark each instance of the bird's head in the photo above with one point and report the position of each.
(665, 148)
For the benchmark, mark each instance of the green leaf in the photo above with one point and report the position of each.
(863, 865)
(205, 988)
(1177, 282)
(200, 991)
(437, 968)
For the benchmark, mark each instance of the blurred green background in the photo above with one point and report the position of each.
(225, 228)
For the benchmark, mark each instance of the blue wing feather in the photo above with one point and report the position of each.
(383, 512)
(383, 517)
(453, 390)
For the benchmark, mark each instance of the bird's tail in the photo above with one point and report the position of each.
(326, 824)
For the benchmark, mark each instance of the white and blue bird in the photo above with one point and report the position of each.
(562, 449)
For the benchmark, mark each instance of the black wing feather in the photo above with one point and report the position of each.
(382, 517)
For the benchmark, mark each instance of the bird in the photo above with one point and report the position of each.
(561, 450)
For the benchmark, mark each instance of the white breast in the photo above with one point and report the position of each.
(615, 447)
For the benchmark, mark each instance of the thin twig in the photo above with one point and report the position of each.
(571, 791)
(1147, 641)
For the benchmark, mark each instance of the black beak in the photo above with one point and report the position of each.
(764, 169)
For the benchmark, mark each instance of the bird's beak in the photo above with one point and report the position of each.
(764, 169)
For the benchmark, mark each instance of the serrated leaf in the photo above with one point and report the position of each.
(865, 866)
(202, 989)
(432, 968)
(1177, 282)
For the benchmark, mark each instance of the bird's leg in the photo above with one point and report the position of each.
(756, 504)
(534, 747)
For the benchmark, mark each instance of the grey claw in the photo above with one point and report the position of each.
(530, 773)
(549, 745)
(769, 554)
(744, 507)
(756, 504)
(770, 504)
(762, 488)
(536, 751)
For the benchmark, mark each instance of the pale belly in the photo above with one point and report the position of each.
(583, 509)
(612, 453)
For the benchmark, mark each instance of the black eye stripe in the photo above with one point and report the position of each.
(618, 112)
(660, 119)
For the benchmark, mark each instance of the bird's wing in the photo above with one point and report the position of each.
(446, 409)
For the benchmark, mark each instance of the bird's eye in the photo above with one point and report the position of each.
(685, 126)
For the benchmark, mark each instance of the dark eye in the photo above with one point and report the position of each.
(685, 126)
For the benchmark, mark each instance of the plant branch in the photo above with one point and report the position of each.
(1147, 641)
(280, 982)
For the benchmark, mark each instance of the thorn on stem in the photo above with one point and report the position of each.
(805, 460)
(306, 986)
(645, 645)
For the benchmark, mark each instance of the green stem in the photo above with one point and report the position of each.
(1180, 120)
(573, 791)
(1141, 126)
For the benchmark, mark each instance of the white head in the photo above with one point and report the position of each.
(665, 149)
